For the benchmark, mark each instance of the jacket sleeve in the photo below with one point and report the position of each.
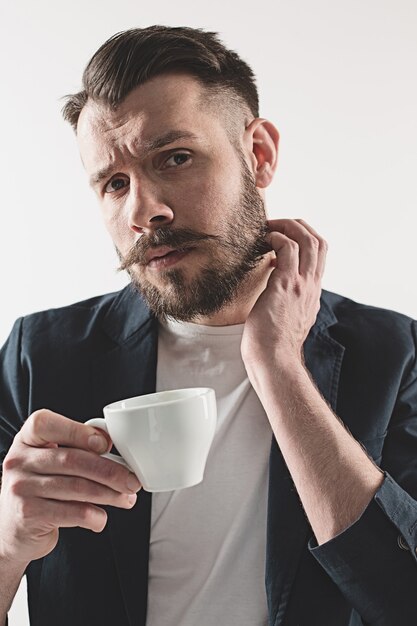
(13, 389)
(374, 561)
(13, 403)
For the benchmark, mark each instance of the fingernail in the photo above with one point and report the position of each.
(97, 443)
(132, 483)
(132, 499)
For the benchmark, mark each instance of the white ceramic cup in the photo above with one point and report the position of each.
(163, 437)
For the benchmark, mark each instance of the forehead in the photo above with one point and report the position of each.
(164, 103)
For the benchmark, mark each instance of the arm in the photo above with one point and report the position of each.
(334, 477)
(365, 521)
(332, 473)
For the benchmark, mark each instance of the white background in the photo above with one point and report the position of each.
(338, 78)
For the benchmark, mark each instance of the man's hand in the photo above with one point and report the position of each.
(286, 310)
(46, 486)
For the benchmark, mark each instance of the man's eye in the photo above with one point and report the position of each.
(179, 158)
(115, 185)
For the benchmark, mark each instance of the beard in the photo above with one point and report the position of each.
(234, 254)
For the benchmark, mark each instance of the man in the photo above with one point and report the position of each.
(306, 514)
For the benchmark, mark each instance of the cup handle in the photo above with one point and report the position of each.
(99, 422)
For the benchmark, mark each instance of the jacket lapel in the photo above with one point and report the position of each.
(288, 529)
(128, 368)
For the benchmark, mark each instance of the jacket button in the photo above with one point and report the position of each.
(402, 544)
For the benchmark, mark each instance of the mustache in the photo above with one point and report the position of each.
(180, 239)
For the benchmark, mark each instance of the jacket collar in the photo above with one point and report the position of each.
(128, 313)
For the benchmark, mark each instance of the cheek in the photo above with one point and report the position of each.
(205, 202)
(117, 226)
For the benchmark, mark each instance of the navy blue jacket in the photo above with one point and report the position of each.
(76, 359)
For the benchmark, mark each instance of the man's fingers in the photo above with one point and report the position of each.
(323, 247)
(55, 514)
(44, 427)
(287, 252)
(312, 247)
(71, 489)
(73, 462)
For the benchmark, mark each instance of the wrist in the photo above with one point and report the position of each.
(10, 563)
(278, 365)
(14, 570)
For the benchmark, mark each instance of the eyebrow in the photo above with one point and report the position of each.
(146, 147)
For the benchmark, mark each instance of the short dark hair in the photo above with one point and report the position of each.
(130, 58)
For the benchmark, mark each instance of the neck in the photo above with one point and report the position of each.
(237, 311)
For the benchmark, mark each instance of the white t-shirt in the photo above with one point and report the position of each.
(207, 543)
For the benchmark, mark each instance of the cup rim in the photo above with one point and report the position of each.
(115, 406)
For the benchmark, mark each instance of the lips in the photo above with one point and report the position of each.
(157, 253)
(163, 257)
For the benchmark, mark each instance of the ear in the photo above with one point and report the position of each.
(261, 140)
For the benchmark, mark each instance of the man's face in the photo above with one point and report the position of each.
(178, 199)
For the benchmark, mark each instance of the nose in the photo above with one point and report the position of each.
(146, 212)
